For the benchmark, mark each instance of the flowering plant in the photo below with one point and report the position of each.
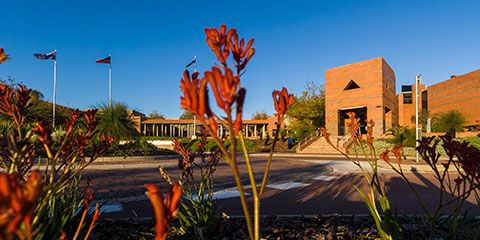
(42, 197)
(386, 220)
(458, 179)
(165, 208)
(229, 95)
(199, 216)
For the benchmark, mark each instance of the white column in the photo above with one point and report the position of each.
(417, 129)
(264, 135)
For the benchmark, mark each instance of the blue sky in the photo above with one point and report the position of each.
(295, 41)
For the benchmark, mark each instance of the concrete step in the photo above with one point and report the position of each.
(322, 146)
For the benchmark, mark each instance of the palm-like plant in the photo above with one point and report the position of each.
(36, 95)
(451, 122)
(115, 121)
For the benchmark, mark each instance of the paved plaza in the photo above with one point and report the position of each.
(299, 185)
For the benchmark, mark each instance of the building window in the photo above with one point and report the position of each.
(425, 100)
(406, 88)
(407, 98)
(351, 85)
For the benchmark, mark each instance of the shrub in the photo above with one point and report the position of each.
(474, 141)
(212, 145)
(114, 121)
(403, 136)
(138, 147)
(450, 122)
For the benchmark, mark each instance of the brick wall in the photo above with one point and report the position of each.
(406, 111)
(460, 93)
(376, 80)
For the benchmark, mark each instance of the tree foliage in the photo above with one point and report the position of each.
(156, 115)
(403, 136)
(186, 115)
(307, 114)
(260, 115)
(39, 110)
(423, 117)
(115, 121)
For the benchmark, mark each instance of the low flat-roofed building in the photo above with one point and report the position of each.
(185, 128)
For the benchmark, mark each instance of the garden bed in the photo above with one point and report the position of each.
(272, 227)
(321, 227)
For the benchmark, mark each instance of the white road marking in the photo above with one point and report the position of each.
(325, 178)
(222, 194)
(227, 193)
(287, 185)
(111, 208)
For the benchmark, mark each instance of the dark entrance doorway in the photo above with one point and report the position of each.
(360, 112)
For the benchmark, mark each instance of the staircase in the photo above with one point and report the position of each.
(315, 143)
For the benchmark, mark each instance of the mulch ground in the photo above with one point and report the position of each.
(321, 227)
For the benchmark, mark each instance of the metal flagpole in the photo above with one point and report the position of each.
(54, 89)
(194, 117)
(110, 82)
(417, 129)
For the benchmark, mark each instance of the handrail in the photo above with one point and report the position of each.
(309, 139)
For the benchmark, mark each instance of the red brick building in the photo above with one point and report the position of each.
(460, 93)
(406, 104)
(366, 88)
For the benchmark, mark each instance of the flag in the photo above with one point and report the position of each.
(3, 56)
(46, 56)
(107, 60)
(192, 62)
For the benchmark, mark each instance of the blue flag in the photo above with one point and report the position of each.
(46, 56)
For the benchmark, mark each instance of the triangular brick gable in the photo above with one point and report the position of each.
(351, 85)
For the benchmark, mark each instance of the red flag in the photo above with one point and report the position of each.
(106, 60)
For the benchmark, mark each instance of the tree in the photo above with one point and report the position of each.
(115, 121)
(260, 115)
(42, 110)
(156, 115)
(39, 110)
(450, 122)
(403, 136)
(422, 118)
(307, 114)
(186, 115)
